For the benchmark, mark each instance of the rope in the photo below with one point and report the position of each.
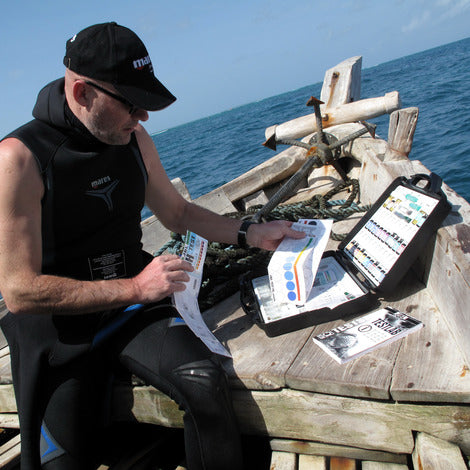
(317, 207)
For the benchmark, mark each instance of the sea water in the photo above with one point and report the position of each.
(437, 81)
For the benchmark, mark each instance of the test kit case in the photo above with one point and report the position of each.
(369, 262)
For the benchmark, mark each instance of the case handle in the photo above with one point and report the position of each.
(434, 182)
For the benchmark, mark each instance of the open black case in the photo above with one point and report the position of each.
(369, 262)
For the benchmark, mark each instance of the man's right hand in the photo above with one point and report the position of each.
(160, 278)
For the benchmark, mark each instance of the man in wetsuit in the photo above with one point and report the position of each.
(72, 184)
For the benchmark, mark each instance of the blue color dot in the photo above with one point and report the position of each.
(289, 275)
(290, 285)
(291, 296)
(288, 266)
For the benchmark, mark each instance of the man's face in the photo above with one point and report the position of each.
(109, 120)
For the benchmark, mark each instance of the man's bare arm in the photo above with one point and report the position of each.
(179, 215)
(24, 288)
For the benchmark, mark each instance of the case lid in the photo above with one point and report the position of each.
(389, 237)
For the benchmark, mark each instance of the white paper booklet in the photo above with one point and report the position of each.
(186, 303)
(366, 333)
(294, 264)
(333, 286)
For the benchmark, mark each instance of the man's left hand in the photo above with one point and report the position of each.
(268, 235)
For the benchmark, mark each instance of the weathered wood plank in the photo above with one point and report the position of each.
(361, 148)
(289, 414)
(447, 264)
(401, 131)
(377, 175)
(258, 198)
(436, 454)
(342, 83)
(353, 422)
(283, 461)
(3, 312)
(342, 463)
(10, 453)
(438, 373)
(217, 201)
(5, 369)
(330, 450)
(259, 362)
(154, 234)
(312, 462)
(7, 399)
(351, 112)
(367, 465)
(9, 420)
(5, 350)
(272, 171)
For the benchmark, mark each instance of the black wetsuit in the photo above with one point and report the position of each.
(63, 364)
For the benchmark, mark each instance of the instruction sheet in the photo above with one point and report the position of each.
(186, 303)
(293, 266)
(333, 286)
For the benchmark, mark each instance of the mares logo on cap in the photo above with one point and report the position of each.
(139, 64)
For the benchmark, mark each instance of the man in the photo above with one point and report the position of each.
(72, 184)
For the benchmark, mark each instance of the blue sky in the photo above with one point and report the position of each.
(215, 55)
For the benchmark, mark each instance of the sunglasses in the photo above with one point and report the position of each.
(132, 108)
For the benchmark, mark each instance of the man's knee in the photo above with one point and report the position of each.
(202, 383)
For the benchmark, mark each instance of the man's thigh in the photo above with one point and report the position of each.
(76, 413)
(160, 345)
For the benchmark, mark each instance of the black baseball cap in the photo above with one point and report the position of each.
(115, 54)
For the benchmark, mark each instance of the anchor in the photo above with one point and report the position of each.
(322, 149)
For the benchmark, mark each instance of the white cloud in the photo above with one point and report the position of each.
(455, 8)
(441, 10)
(417, 22)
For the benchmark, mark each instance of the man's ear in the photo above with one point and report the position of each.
(81, 93)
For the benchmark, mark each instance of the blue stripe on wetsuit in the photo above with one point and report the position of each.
(109, 329)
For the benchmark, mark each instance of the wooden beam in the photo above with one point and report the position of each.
(7, 399)
(312, 462)
(367, 465)
(342, 463)
(10, 453)
(350, 112)
(363, 148)
(283, 461)
(437, 454)
(154, 234)
(447, 263)
(274, 170)
(331, 450)
(365, 424)
(9, 421)
(401, 130)
(342, 83)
